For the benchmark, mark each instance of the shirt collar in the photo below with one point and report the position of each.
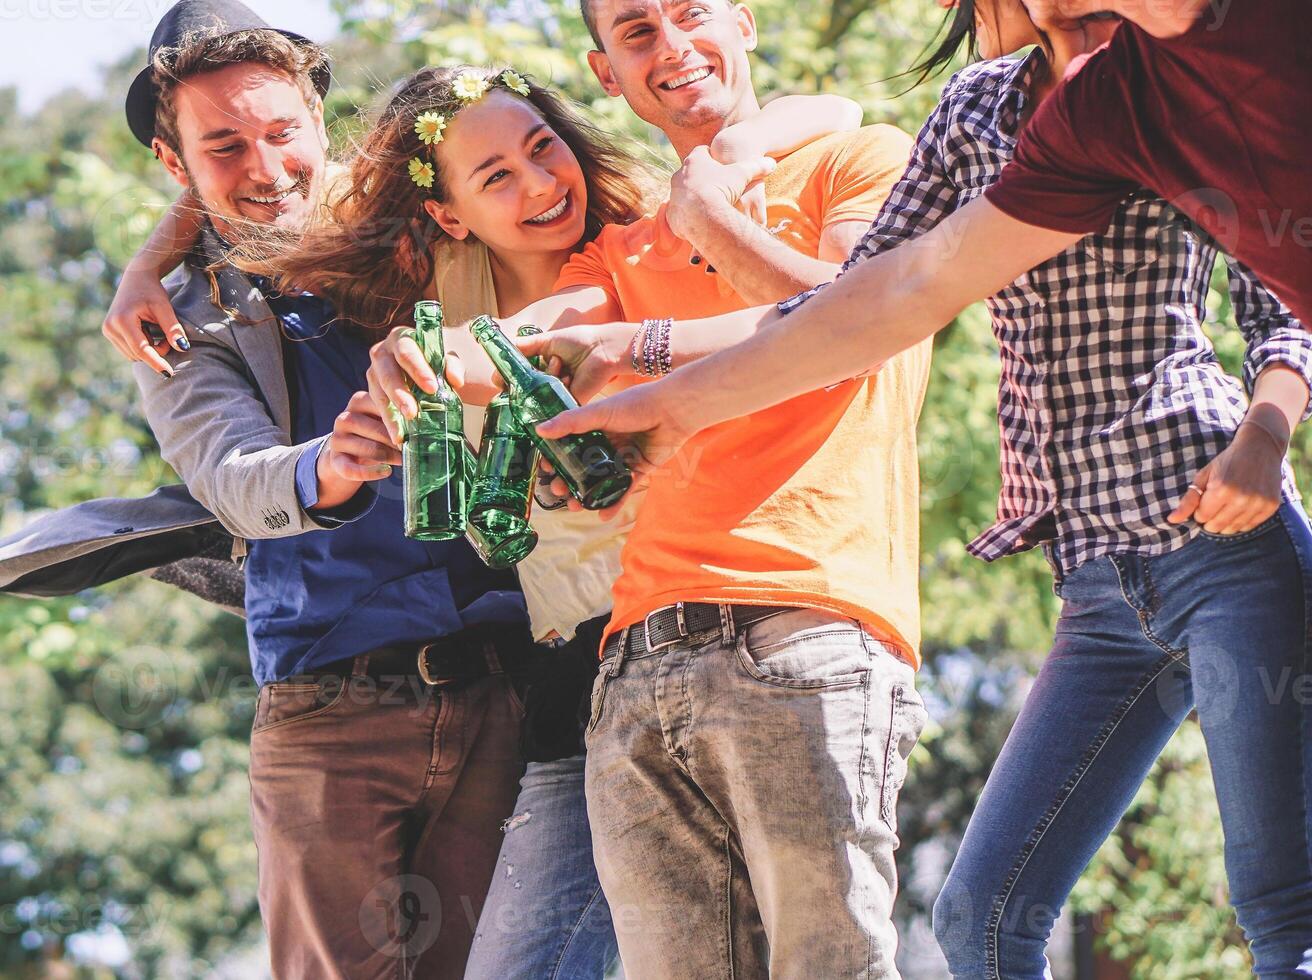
(1014, 94)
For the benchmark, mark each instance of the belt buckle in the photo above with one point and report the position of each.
(425, 675)
(646, 628)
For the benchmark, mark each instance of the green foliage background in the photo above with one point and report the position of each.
(124, 838)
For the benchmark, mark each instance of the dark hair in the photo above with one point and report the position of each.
(961, 31)
(585, 8)
(374, 258)
(198, 53)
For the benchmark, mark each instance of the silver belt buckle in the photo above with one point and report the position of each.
(646, 628)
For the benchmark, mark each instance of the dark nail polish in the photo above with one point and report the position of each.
(168, 375)
(696, 260)
(184, 344)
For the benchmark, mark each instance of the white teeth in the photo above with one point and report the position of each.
(277, 198)
(551, 215)
(686, 79)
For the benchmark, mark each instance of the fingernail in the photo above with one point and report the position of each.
(696, 260)
(183, 344)
(168, 375)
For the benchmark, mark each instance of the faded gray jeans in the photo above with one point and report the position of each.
(742, 788)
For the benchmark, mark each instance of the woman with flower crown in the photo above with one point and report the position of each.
(474, 186)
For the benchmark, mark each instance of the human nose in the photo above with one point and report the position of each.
(538, 180)
(675, 42)
(265, 163)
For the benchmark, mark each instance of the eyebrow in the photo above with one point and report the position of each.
(223, 134)
(493, 160)
(625, 16)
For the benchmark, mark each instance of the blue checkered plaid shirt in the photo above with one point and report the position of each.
(1111, 397)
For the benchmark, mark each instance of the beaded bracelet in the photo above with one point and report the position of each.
(656, 348)
(666, 360)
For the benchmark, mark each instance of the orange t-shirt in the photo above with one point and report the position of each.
(814, 502)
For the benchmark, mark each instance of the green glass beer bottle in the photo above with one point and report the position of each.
(502, 496)
(433, 459)
(588, 463)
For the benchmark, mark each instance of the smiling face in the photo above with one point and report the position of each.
(682, 65)
(509, 180)
(251, 148)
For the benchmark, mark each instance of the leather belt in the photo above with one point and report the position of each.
(460, 658)
(668, 625)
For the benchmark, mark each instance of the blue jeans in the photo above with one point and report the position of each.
(1223, 622)
(545, 917)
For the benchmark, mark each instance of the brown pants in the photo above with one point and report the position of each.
(377, 816)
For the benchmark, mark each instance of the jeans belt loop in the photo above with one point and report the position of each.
(360, 666)
(620, 652)
(728, 633)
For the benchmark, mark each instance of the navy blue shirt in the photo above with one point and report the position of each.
(321, 596)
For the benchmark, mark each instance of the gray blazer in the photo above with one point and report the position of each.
(223, 423)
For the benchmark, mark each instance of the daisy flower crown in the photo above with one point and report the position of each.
(430, 127)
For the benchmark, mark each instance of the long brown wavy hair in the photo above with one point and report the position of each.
(374, 257)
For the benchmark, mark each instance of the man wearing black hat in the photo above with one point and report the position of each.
(385, 750)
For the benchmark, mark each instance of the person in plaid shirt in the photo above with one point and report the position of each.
(1114, 411)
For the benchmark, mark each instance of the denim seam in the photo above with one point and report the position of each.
(1145, 615)
(1063, 795)
(890, 746)
(863, 797)
(574, 931)
(728, 906)
(1305, 567)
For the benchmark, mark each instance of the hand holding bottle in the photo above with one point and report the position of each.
(359, 450)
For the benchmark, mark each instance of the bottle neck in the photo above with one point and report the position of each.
(506, 357)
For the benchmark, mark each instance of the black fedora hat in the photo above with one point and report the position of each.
(213, 17)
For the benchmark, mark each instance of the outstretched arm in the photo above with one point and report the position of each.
(140, 299)
(877, 309)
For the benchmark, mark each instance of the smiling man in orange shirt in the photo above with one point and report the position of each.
(756, 704)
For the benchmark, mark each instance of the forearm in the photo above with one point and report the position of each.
(784, 125)
(878, 308)
(760, 268)
(170, 241)
(1280, 399)
(828, 340)
(692, 340)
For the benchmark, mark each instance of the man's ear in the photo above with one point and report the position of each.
(746, 24)
(172, 162)
(600, 66)
(316, 113)
(447, 221)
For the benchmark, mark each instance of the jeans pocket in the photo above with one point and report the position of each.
(805, 649)
(283, 703)
(906, 719)
(1270, 524)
